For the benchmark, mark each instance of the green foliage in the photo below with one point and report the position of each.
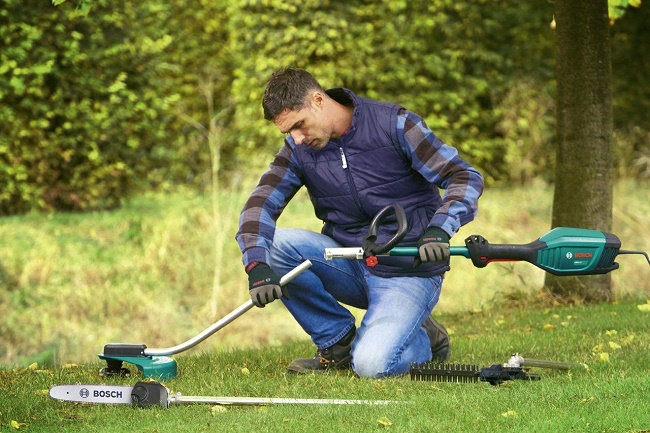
(617, 8)
(97, 101)
(449, 61)
(84, 104)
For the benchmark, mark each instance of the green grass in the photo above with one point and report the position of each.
(70, 283)
(608, 396)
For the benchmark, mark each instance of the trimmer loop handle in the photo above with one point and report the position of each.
(370, 246)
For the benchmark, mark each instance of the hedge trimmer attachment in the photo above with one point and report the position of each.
(562, 251)
(495, 374)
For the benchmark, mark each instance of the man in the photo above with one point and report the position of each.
(356, 156)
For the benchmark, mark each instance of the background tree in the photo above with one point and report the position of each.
(583, 182)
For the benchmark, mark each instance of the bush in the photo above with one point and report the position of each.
(83, 103)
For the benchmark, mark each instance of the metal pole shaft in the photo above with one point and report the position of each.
(262, 401)
(224, 321)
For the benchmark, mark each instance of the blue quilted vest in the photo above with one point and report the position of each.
(352, 178)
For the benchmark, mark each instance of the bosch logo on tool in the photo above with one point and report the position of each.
(569, 255)
(84, 393)
(107, 394)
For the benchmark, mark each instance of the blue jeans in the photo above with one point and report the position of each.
(390, 336)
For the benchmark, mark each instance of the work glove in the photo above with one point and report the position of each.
(264, 284)
(433, 246)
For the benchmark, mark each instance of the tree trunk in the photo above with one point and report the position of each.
(584, 167)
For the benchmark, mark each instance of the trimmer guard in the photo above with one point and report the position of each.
(156, 367)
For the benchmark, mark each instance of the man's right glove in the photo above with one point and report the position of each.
(264, 284)
(433, 246)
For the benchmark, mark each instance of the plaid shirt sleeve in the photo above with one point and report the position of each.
(441, 165)
(264, 206)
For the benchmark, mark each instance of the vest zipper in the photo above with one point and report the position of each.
(344, 161)
(353, 188)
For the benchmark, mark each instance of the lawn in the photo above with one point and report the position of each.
(149, 273)
(606, 393)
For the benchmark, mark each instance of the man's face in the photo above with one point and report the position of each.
(306, 126)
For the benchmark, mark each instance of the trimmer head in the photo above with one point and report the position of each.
(156, 367)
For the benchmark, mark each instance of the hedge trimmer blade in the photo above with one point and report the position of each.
(430, 371)
(495, 374)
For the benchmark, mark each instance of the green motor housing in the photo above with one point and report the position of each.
(562, 251)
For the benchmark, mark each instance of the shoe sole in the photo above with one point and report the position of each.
(298, 369)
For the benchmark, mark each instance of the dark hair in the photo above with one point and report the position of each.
(287, 89)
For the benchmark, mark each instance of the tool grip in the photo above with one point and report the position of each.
(482, 252)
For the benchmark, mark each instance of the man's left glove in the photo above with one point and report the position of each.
(433, 246)
(264, 284)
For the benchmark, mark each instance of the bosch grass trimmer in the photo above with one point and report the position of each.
(156, 363)
(562, 251)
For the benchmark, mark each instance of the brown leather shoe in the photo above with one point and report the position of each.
(335, 357)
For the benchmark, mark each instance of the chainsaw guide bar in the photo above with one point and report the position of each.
(155, 394)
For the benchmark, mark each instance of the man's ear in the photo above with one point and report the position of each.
(317, 99)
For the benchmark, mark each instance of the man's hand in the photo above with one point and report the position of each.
(264, 284)
(433, 246)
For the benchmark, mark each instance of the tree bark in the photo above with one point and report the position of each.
(584, 167)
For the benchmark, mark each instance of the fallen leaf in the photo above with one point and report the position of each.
(587, 400)
(548, 327)
(611, 332)
(385, 421)
(245, 371)
(627, 340)
(644, 307)
(614, 346)
(597, 348)
(216, 409)
(603, 357)
(33, 366)
(17, 425)
(509, 414)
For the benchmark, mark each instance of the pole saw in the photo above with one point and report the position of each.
(561, 251)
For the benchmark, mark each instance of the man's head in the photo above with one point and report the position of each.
(288, 89)
(298, 105)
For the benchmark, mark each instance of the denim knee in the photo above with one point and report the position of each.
(374, 365)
